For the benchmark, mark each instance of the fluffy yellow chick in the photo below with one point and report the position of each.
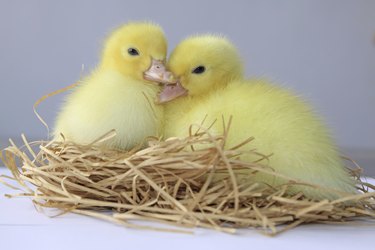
(119, 95)
(211, 83)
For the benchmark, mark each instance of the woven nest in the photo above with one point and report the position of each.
(170, 182)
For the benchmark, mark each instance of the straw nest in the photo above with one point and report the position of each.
(170, 182)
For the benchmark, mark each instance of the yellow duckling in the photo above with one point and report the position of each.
(119, 95)
(211, 84)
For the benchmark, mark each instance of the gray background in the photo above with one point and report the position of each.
(324, 50)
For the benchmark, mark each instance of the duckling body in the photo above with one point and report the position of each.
(119, 95)
(283, 125)
(109, 101)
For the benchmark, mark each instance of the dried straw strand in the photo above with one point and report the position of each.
(171, 182)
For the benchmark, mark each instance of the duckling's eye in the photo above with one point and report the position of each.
(133, 52)
(198, 70)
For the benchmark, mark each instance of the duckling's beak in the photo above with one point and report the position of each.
(171, 92)
(158, 73)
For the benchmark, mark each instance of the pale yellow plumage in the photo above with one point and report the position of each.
(116, 96)
(283, 125)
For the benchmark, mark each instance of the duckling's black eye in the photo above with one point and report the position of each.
(133, 52)
(199, 70)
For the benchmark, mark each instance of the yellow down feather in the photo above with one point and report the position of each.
(282, 124)
(115, 96)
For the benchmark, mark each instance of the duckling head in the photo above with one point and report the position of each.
(201, 64)
(137, 50)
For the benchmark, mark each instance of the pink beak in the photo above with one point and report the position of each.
(172, 88)
(158, 73)
(171, 92)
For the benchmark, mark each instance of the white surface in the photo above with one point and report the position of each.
(22, 227)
